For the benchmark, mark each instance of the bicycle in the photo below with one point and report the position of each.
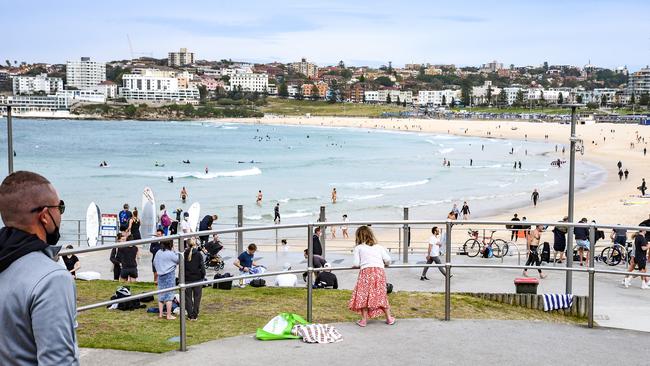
(474, 247)
(615, 253)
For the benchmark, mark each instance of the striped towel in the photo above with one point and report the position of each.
(557, 301)
(317, 333)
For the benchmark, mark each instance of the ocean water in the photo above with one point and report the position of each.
(375, 172)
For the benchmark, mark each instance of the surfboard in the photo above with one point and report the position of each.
(195, 213)
(148, 216)
(92, 224)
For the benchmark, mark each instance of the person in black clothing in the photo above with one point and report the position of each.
(640, 259)
(643, 187)
(620, 174)
(535, 197)
(71, 262)
(318, 262)
(206, 224)
(317, 248)
(326, 279)
(194, 272)
(559, 241)
(626, 173)
(153, 249)
(619, 165)
(134, 225)
(465, 211)
(276, 213)
(117, 267)
(127, 257)
(514, 228)
(581, 235)
(646, 223)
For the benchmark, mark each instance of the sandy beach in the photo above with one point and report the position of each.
(603, 203)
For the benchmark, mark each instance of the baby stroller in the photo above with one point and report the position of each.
(212, 257)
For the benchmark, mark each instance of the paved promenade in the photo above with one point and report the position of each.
(412, 342)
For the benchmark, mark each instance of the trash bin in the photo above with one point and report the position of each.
(526, 285)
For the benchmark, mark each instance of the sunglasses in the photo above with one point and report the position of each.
(60, 206)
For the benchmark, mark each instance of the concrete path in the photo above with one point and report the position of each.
(414, 342)
(615, 305)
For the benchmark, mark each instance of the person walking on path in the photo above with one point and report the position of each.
(533, 253)
(620, 174)
(465, 211)
(643, 187)
(534, 197)
(166, 261)
(369, 297)
(640, 259)
(626, 173)
(619, 165)
(514, 228)
(433, 253)
(194, 272)
(38, 310)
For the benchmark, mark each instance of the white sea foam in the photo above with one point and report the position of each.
(381, 184)
(353, 198)
(253, 217)
(445, 151)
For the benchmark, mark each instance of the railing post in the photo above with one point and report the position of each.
(323, 237)
(448, 271)
(78, 233)
(310, 273)
(592, 274)
(240, 235)
(10, 142)
(407, 238)
(181, 291)
(572, 160)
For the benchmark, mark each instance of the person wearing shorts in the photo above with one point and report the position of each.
(640, 259)
(582, 240)
(127, 257)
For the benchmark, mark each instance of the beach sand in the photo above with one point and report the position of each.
(603, 203)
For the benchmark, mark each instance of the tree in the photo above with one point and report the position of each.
(346, 74)
(579, 99)
(633, 99)
(203, 94)
(314, 92)
(130, 111)
(592, 105)
(283, 90)
(560, 99)
(502, 99)
(542, 101)
(444, 99)
(645, 99)
(341, 64)
(397, 101)
(453, 102)
(466, 93)
(388, 100)
(384, 81)
(8, 62)
(545, 66)
(603, 100)
(362, 78)
(489, 95)
(519, 100)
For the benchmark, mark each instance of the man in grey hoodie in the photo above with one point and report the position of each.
(38, 310)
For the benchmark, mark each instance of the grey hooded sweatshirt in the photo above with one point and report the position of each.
(38, 307)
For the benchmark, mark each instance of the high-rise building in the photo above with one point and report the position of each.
(250, 82)
(181, 58)
(639, 82)
(308, 69)
(27, 85)
(85, 74)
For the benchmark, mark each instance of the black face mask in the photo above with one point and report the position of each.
(53, 237)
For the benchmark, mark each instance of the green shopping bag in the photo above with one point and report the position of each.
(280, 327)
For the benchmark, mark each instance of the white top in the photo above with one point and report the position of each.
(366, 256)
(286, 280)
(434, 241)
(345, 227)
(185, 226)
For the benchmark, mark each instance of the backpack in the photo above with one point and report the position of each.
(122, 292)
(258, 282)
(546, 252)
(165, 220)
(222, 285)
(389, 288)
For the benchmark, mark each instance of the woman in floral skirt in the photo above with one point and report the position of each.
(369, 296)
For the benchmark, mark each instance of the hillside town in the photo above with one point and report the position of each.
(182, 79)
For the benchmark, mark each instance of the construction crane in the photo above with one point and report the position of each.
(150, 54)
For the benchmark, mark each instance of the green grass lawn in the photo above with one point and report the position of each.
(293, 107)
(515, 110)
(242, 311)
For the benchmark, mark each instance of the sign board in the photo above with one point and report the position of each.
(110, 225)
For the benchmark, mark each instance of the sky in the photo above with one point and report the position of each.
(368, 32)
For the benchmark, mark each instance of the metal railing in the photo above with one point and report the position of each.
(406, 224)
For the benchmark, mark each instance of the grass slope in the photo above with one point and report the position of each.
(292, 107)
(242, 311)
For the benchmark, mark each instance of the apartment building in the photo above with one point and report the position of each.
(250, 82)
(28, 85)
(85, 74)
(308, 69)
(181, 58)
(150, 86)
(639, 82)
(437, 97)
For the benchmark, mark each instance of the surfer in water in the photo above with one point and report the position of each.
(183, 194)
(206, 169)
(258, 200)
(170, 179)
(186, 161)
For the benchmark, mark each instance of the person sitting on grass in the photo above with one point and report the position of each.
(246, 264)
(326, 279)
(319, 262)
(287, 279)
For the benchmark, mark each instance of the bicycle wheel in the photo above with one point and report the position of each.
(496, 250)
(611, 256)
(472, 247)
(503, 248)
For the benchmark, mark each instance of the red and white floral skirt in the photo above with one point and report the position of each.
(370, 292)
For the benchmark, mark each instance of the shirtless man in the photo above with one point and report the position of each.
(334, 195)
(533, 255)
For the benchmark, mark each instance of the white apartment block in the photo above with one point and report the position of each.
(381, 96)
(308, 69)
(181, 58)
(511, 94)
(85, 74)
(250, 82)
(27, 85)
(149, 82)
(231, 71)
(150, 86)
(639, 82)
(293, 90)
(438, 97)
(108, 88)
(180, 95)
(90, 96)
(480, 93)
(32, 103)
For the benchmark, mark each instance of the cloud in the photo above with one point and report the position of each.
(462, 18)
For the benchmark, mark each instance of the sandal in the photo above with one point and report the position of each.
(390, 321)
(361, 323)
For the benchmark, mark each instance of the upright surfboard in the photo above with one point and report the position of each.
(195, 213)
(92, 224)
(148, 216)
